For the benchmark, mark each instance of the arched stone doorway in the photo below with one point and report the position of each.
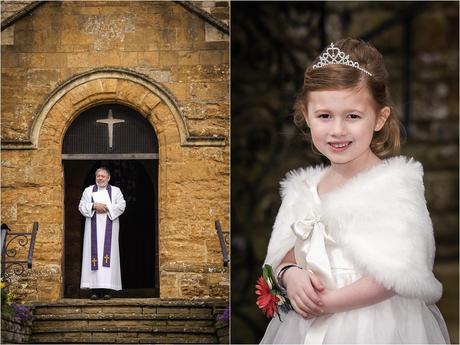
(118, 137)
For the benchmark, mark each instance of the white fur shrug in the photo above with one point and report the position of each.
(380, 219)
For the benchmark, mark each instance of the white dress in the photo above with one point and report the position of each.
(103, 277)
(397, 320)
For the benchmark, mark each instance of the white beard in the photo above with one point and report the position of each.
(379, 218)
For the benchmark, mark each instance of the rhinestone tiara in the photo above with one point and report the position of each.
(334, 56)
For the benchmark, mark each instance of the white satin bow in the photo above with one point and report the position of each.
(313, 234)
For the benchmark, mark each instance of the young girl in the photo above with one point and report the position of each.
(353, 242)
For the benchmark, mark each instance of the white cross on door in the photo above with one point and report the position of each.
(110, 121)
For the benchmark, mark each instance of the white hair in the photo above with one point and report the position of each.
(104, 169)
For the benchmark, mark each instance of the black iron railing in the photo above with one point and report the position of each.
(12, 244)
(224, 241)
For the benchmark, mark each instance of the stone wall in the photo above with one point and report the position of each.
(15, 330)
(166, 62)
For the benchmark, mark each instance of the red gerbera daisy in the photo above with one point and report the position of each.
(266, 301)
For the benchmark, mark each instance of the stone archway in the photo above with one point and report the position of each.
(129, 150)
(106, 86)
(152, 101)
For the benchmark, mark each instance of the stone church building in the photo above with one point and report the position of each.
(139, 87)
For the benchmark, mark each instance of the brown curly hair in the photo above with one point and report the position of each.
(387, 141)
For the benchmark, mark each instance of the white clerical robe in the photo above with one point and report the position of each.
(104, 277)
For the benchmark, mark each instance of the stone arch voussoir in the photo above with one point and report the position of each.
(104, 86)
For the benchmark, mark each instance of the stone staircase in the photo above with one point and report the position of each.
(129, 321)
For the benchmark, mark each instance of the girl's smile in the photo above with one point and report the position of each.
(340, 146)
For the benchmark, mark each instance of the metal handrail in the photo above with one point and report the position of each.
(223, 247)
(16, 266)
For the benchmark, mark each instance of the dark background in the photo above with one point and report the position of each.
(271, 45)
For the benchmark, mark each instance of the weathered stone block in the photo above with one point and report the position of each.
(72, 36)
(49, 289)
(11, 60)
(168, 284)
(209, 91)
(192, 284)
(94, 87)
(218, 285)
(57, 60)
(46, 250)
(179, 90)
(172, 310)
(149, 103)
(214, 35)
(160, 76)
(149, 310)
(9, 213)
(148, 59)
(109, 85)
(124, 310)
(200, 73)
(80, 59)
(129, 90)
(39, 77)
(129, 59)
(110, 58)
(189, 58)
(175, 251)
(168, 58)
(8, 36)
(134, 42)
(211, 57)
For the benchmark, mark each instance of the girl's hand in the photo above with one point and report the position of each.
(327, 297)
(362, 293)
(302, 286)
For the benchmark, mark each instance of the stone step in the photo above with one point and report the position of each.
(78, 302)
(126, 329)
(131, 306)
(127, 321)
(40, 326)
(101, 316)
(125, 310)
(95, 338)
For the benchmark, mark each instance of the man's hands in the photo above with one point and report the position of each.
(100, 208)
(303, 288)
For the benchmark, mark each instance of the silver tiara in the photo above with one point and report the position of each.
(334, 56)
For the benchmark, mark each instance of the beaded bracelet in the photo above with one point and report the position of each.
(280, 275)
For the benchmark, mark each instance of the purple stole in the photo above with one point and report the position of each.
(107, 239)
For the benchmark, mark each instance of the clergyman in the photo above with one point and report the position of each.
(101, 204)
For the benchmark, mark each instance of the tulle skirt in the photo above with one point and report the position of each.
(396, 320)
